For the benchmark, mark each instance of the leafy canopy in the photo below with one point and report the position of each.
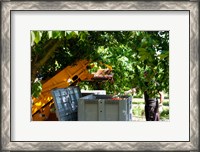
(130, 53)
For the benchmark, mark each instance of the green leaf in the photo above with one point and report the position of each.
(142, 50)
(32, 38)
(55, 34)
(36, 89)
(37, 36)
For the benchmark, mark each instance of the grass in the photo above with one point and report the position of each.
(138, 109)
(164, 115)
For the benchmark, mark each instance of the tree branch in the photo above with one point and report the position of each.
(50, 51)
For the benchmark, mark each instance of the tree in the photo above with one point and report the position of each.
(130, 53)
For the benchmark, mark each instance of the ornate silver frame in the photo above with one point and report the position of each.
(8, 6)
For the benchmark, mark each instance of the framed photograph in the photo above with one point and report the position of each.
(31, 30)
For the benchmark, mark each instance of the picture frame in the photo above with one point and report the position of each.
(7, 7)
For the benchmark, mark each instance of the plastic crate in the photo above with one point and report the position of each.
(129, 105)
(66, 103)
(104, 108)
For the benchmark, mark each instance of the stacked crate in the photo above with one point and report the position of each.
(66, 103)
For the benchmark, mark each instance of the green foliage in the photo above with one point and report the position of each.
(138, 111)
(130, 53)
(36, 88)
(36, 37)
(164, 114)
(166, 103)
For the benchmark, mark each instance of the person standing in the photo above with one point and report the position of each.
(151, 102)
